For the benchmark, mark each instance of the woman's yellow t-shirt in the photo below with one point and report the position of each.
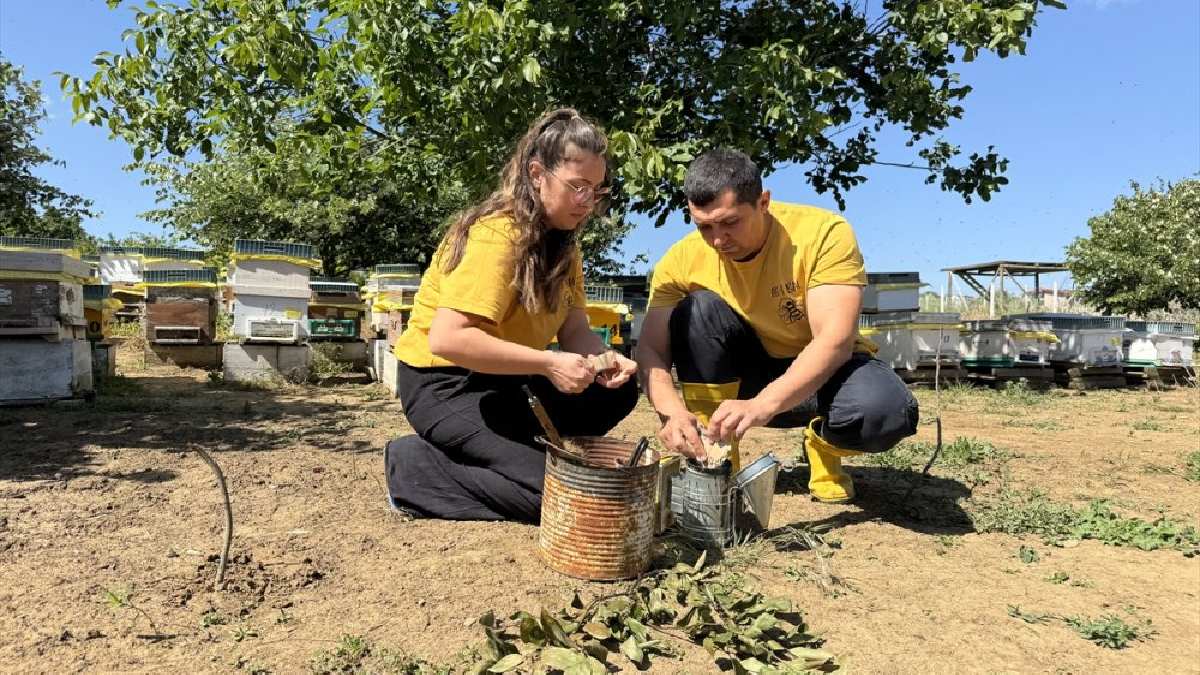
(806, 247)
(482, 284)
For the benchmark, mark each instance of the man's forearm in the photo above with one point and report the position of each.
(811, 369)
(658, 385)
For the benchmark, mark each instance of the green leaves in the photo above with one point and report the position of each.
(741, 629)
(368, 88)
(571, 662)
(531, 70)
(1134, 261)
(29, 205)
(507, 664)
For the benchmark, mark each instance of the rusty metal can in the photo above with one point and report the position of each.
(598, 516)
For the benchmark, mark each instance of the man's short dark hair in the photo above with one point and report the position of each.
(719, 170)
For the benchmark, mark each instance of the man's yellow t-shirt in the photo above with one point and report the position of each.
(806, 247)
(482, 284)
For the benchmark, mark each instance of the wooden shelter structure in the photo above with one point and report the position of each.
(995, 274)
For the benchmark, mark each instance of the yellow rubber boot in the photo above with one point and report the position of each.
(828, 482)
(702, 400)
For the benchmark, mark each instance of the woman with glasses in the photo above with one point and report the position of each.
(506, 281)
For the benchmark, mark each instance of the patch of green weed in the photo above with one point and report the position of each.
(1032, 513)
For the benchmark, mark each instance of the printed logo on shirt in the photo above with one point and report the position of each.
(783, 289)
(790, 311)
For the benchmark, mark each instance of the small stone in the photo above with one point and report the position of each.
(65, 635)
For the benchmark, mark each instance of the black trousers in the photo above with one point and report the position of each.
(864, 406)
(474, 456)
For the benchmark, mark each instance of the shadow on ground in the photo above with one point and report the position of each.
(176, 414)
(926, 504)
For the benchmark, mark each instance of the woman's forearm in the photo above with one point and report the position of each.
(474, 349)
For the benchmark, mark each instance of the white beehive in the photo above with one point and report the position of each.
(892, 292)
(1005, 343)
(1159, 343)
(270, 318)
(274, 268)
(38, 370)
(120, 265)
(912, 340)
(1083, 339)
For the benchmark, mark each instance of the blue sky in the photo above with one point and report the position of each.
(1109, 92)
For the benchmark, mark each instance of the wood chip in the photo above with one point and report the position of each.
(602, 362)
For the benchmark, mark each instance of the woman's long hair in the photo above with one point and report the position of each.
(544, 256)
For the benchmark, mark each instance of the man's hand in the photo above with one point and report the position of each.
(734, 418)
(681, 434)
(618, 372)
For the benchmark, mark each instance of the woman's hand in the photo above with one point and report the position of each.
(618, 371)
(569, 373)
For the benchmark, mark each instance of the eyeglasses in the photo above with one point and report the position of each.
(586, 193)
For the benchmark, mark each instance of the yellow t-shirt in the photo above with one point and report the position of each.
(806, 247)
(482, 284)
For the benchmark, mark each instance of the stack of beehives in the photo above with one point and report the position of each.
(181, 306)
(270, 287)
(1087, 353)
(998, 351)
(334, 309)
(390, 293)
(606, 312)
(44, 353)
(1158, 352)
(918, 345)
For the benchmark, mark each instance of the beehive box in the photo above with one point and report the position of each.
(390, 373)
(334, 293)
(376, 351)
(892, 292)
(120, 265)
(1084, 339)
(160, 259)
(46, 244)
(52, 309)
(271, 268)
(334, 309)
(1004, 343)
(391, 287)
(332, 329)
(913, 340)
(98, 308)
(43, 263)
(397, 321)
(181, 306)
(272, 315)
(34, 370)
(1159, 343)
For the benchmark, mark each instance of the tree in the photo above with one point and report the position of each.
(1144, 253)
(363, 83)
(355, 216)
(30, 206)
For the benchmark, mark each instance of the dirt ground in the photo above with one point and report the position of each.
(109, 529)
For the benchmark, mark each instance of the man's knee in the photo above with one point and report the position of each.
(701, 311)
(872, 412)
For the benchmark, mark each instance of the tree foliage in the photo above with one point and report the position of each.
(356, 216)
(29, 205)
(369, 87)
(1143, 255)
